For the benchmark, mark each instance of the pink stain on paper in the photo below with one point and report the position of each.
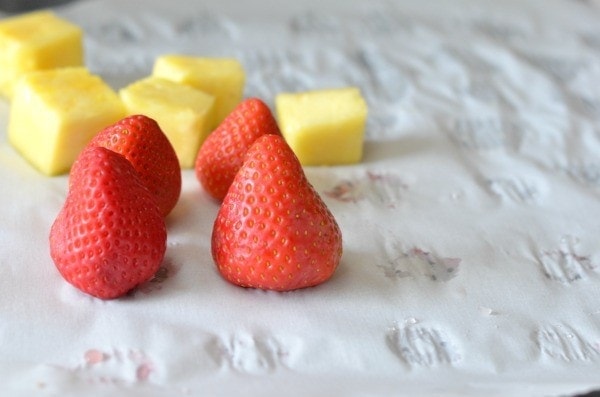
(144, 365)
(94, 356)
(345, 191)
(382, 189)
(116, 366)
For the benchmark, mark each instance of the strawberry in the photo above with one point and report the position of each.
(222, 153)
(110, 235)
(142, 142)
(272, 230)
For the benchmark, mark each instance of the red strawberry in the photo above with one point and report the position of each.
(144, 144)
(110, 235)
(222, 153)
(272, 230)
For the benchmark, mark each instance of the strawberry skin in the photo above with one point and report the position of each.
(142, 142)
(272, 230)
(222, 153)
(110, 235)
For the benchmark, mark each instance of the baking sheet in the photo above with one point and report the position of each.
(471, 227)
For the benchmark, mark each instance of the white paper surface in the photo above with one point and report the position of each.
(471, 229)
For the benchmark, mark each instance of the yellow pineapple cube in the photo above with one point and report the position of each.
(185, 114)
(323, 127)
(55, 113)
(36, 41)
(224, 78)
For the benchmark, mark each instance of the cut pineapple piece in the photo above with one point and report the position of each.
(224, 78)
(36, 41)
(185, 114)
(323, 127)
(55, 113)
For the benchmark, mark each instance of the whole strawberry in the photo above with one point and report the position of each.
(222, 153)
(142, 142)
(272, 230)
(110, 235)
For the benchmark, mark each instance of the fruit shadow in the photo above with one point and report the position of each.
(195, 210)
(357, 267)
(188, 257)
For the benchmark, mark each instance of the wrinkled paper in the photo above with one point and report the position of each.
(471, 228)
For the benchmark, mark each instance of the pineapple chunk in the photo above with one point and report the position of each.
(185, 114)
(55, 113)
(323, 127)
(36, 41)
(224, 78)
